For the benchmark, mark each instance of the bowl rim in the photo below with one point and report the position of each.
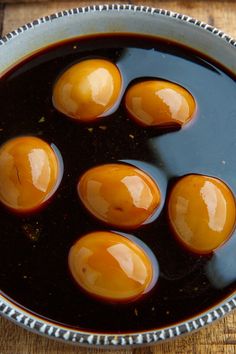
(37, 324)
(118, 7)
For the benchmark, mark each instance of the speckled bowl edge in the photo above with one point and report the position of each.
(44, 327)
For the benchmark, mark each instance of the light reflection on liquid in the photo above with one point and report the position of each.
(221, 269)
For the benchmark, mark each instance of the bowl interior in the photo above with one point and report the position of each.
(155, 148)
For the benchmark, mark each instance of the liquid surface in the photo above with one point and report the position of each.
(34, 272)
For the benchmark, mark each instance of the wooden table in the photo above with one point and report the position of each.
(219, 338)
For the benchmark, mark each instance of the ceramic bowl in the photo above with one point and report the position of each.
(100, 19)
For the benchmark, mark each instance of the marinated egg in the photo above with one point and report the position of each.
(112, 267)
(119, 194)
(88, 89)
(159, 103)
(29, 173)
(201, 212)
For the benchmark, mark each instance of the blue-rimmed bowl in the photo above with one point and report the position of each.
(104, 19)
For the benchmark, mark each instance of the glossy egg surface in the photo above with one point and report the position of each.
(29, 173)
(119, 194)
(201, 212)
(159, 103)
(88, 89)
(111, 266)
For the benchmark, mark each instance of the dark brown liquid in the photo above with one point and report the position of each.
(34, 249)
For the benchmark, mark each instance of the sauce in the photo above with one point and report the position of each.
(34, 272)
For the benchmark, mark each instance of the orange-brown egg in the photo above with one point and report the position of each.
(29, 173)
(119, 194)
(159, 103)
(112, 267)
(88, 89)
(201, 212)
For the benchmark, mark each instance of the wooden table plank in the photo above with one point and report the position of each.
(219, 338)
(2, 8)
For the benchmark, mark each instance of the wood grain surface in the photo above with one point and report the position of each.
(218, 338)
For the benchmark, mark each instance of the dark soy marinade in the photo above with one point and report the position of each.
(34, 248)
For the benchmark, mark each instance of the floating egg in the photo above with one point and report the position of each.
(159, 103)
(201, 212)
(119, 194)
(29, 173)
(112, 267)
(88, 89)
